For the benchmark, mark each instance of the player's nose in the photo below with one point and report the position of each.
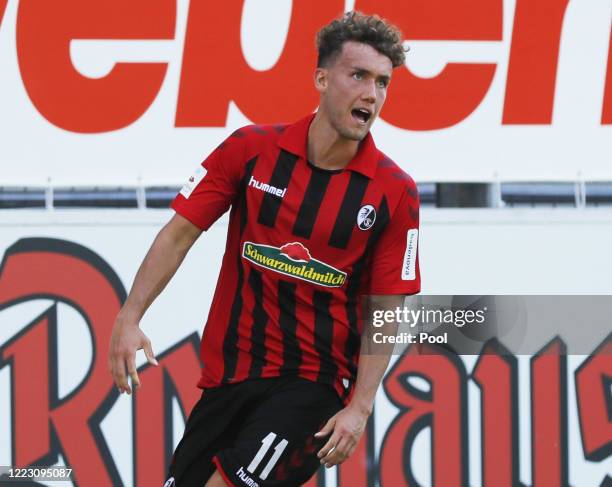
(369, 92)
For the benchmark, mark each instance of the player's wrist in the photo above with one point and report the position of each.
(362, 406)
(128, 318)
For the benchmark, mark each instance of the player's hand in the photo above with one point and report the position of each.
(346, 426)
(127, 337)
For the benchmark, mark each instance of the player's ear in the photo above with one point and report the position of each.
(320, 79)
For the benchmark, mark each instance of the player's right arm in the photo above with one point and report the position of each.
(208, 194)
(161, 262)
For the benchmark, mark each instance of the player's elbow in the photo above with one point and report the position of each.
(179, 233)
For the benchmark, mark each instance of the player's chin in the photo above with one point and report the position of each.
(356, 133)
(362, 129)
(362, 133)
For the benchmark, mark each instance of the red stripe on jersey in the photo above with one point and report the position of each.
(273, 332)
(244, 337)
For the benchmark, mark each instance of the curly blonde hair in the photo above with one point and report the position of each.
(358, 27)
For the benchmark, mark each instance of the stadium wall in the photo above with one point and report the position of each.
(491, 419)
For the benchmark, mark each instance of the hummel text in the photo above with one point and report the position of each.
(242, 475)
(267, 188)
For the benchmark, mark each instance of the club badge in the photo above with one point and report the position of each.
(366, 217)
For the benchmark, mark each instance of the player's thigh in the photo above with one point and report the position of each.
(211, 426)
(276, 444)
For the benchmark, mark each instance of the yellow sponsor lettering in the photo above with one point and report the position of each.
(250, 251)
(314, 271)
(338, 280)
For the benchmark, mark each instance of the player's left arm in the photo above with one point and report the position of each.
(347, 426)
(394, 273)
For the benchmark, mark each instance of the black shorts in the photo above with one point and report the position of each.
(256, 433)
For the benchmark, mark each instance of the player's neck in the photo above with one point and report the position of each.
(327, 149)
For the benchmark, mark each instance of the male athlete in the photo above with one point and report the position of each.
(319, 218)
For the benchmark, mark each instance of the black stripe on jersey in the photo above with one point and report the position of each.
(324, 334)
(230, 352)
(353, 340)
(258, 328)
(292, 355)
(311, 203)
(347, 216)
(279, 179)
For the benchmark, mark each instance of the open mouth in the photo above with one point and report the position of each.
(361, 115)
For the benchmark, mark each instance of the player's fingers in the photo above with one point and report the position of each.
(352, 449)
(344, 447)
(328, 447)
(148, 350)
(125, 385)
(119, 374)
(131, 365)
(325, 459)
(337, 455)
(327, 429)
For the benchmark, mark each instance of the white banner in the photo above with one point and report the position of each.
(115, 93)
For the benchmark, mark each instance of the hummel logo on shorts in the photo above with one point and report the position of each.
(242, 475)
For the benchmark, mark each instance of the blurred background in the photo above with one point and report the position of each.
(503, 116)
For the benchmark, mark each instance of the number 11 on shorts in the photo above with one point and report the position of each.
(266, 444)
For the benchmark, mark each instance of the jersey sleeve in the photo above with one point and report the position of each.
(395, 260)
(212, 188)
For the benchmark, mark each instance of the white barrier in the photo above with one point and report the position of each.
(64, 274)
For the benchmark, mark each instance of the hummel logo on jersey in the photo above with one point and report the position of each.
(293, 259)
(242, 475)
(366, 217)
(267, 188)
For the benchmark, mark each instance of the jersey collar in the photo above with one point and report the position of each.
(294, 140)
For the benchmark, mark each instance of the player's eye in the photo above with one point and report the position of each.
(382, 83)
(357, 76)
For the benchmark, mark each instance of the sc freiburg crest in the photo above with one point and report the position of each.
(366, 217)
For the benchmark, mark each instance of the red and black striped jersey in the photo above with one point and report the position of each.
(303, 245)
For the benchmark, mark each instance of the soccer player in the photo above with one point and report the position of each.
(319, 218)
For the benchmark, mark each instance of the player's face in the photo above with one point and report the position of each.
(353, 88)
